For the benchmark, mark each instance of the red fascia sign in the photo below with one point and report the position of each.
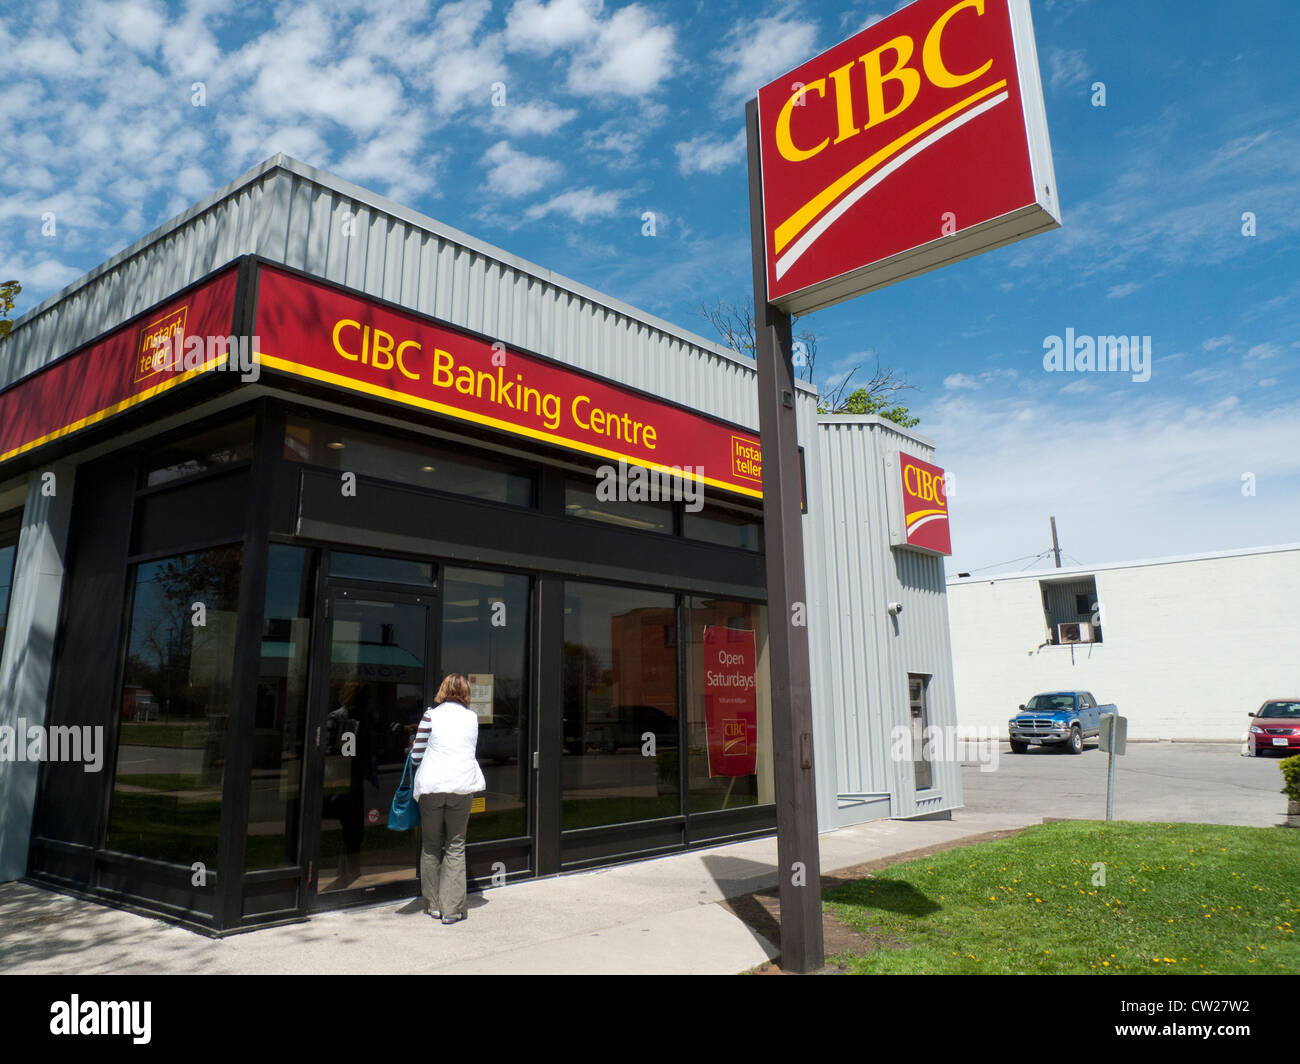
(313, 330)
(121, 370)
(925, 506)
(918, 142)
(730, 700)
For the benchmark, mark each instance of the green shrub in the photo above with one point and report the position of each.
(1291, 777)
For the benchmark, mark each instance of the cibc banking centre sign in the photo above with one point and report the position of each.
(920, 141)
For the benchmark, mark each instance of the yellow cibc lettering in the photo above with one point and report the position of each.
(338, 327)
(381, 349)
(401, 365)
(910, 79)
(909, 475)
(932, 60)
(784, 142)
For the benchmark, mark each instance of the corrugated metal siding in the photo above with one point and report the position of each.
(311, 221)
(862, 661)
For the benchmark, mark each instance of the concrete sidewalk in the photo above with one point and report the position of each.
(652, 917)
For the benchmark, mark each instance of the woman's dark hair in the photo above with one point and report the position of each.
(455, 688)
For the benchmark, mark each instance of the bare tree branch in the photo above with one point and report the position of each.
(734, 325)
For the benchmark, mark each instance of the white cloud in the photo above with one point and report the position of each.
(532, 26)
(1066, 67)
(631, 55)
(514, 173)
(579, 204)
(709, 155)
(521, 119)
(1265, 350)
(1119, 291)
(758, 50)
(1155, 477)
(957, 381)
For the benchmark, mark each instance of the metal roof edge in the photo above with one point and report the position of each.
(207, 203)
(288, 164)
(875, 419)
(1089, 570)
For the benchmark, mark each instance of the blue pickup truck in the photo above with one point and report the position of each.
(1059, 718)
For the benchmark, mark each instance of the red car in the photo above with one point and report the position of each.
(1277, 727)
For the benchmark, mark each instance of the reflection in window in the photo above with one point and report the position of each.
(729, 712)
(382, 568)
(620, 686)
(9, 525)
(580, 501)
(175, 704)
(409, 460)
(724, 527)
(281, 711)
(217, 447)
(485, 636)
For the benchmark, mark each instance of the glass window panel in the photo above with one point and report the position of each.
(175, 705)
(281, 712)
(620, 683)
(729, 712)
(725, 528)
(408, 460)
(383, 569)
(376, 700)
(212, 449)
(580, 501)
(485, 636)
(9, 526)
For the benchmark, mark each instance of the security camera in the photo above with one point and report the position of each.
(895, 608)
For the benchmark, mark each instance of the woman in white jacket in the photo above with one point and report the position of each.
(446, 778)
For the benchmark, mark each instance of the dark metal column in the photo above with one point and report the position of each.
(798, 859)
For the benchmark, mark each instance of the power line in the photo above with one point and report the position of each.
(995, 565)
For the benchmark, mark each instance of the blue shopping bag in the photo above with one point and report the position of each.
(405, 813)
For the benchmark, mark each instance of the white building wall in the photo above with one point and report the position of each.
(1190, 645)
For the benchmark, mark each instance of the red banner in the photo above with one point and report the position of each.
(925, 505)
(911, 133)
(313, 330)
(152, 354)
(730, 700)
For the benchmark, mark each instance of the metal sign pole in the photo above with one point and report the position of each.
(1110, 785)
(798, 859)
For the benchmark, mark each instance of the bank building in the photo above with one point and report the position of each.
(273, 470)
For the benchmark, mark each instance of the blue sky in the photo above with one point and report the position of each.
(615, 109)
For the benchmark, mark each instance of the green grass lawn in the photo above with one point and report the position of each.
(1182, 898)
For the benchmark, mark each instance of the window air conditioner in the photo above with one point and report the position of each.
(1074, 632)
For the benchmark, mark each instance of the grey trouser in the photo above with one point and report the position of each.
(442, 862)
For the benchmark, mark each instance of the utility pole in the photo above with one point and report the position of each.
(1056, 547)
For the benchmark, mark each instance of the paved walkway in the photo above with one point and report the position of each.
(655, 917)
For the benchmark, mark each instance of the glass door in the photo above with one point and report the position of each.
(374, 684)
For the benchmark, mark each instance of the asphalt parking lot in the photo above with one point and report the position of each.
(1208, 783)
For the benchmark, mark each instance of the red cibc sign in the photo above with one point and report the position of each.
(174, 343)
(313, 330)
(920, 141)
(925, 506)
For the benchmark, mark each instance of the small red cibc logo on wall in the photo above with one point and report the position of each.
(917, 142)
(925, 505)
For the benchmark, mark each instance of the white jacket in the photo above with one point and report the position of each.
(444, 750)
